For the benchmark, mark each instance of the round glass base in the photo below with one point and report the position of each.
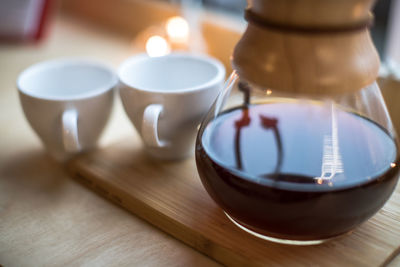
(279, 240)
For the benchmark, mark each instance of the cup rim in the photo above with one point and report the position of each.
(218, 77)
(112, 82)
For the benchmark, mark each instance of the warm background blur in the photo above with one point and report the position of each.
(161, 26)
(215, 25)
(46, 219)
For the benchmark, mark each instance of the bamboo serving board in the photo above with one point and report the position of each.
(170, 196)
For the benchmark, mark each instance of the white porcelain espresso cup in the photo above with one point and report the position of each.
(166, 98)
(67, 102)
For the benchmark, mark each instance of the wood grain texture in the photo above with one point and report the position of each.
(47, 218)
(299, 62)
(170, 196)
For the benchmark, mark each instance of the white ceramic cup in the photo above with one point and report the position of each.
(166, 98)
(67, 102)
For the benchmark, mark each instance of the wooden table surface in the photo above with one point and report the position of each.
(48, 219)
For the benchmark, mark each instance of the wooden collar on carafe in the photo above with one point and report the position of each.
(308, 46)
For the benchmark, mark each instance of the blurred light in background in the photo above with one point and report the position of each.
(177, 29)
(162, 39)
(157, 46)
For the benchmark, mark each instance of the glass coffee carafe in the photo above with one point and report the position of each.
(299, 148)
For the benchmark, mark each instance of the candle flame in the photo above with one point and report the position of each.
(157, 46)
(177, 29)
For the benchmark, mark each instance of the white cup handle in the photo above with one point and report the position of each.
(150, 125)
(70, 131)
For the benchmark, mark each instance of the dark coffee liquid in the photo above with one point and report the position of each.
(296, 170)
